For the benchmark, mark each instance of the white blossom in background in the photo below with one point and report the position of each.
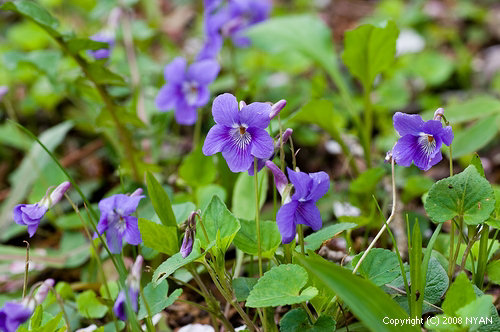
(345, 209)
(409, 41)
(196, 328)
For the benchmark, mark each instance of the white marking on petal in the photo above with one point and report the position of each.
(241, 136)
(190, 91)
(427, 143)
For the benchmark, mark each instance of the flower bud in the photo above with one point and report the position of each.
(187, 243)
(58, 193)
(135, 272)
(438, 115)
(276, 108)
(43, 290)
(279, 177)
(138, 192)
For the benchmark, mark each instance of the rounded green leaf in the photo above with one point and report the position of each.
(272, 291)
(467, 195)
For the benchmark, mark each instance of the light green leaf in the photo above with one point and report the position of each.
(197, 169)
(475, 137)
(369, 50)
(242, 287)
(76, 45)
(221, 226)
(89, 306)
(381, 266)
(306, 34)
(182, 211)
(244, 194)
(175, 262)
(157, 298)
(433, 67)
(204, 194)
(316, 239)
(478, 107)
(271, 291)
(367, 181)
(460, 293)
(365, 300)
(479, 308)
(159, 237)
(102, 75)
(493, 270)
(161, 202)
(466, 195)
(270, 237)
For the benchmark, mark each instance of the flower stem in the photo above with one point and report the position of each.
(368, 122)
(257, 214)
(386, 224)
(26, 268)
(301, 239)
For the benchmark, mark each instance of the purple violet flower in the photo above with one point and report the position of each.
(243, 14)
(420, 140)
(31, 214)
(13, 314)
(103, 37)
(186, 88)
(300, 208)
(117, 222)
(239, 134)
(133, 282)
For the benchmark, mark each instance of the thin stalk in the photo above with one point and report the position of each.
(301, 239)
(98, 258)
(459, 243)
(26, 268)
(229, 298)
(207, 295)
(149, 321)
(386, 224)
(473, 236)
(257, 215)
(61, 305)
(282, 149)
(197, 130)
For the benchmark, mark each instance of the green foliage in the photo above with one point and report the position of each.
(242, 287)
(296, 33)
(366, 301)
(197, 169)
(369, 51)
(296, 320)
(157, 298)
(271, 291)
(493, 270)
(89, 306)
(466, 195)
(270, 237)
(244, 194)
(159, 237)
(381, 266)
(321, 113)
(475, 137)
(316, 239)
(460, 293)
(220, 224)
(35, 12)
(161, 202)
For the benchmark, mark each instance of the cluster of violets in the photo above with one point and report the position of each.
(186, 88)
